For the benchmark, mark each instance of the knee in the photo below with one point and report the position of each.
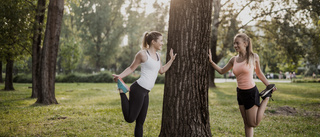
(252, 124)
(129, 120)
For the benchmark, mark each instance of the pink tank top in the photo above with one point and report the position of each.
(244, 74)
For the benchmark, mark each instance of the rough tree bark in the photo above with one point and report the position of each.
(185, 103)
(38, 27)
(1, 80)
(46, 93)
(9, 78)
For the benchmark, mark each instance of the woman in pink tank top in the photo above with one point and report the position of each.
(248, 95)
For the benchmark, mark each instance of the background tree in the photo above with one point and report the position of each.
(311, 9)
(185, 103)
(102, 28)
(36, 46)
(69, 50)
(1, 79)
(226, 14)
(15, 22)
(135, 27)
(136, 24)
(49, 53)
(292, 32)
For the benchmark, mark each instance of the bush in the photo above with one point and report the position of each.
(130, 79)
(22, 78)
(103, 77)
(306, 80)
(160, 79)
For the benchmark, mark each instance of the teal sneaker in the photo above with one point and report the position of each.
(122, 86)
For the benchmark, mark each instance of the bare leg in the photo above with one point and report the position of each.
(255, 114)
(248, 129)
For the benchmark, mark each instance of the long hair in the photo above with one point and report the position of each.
(148, 37)
(249, 54)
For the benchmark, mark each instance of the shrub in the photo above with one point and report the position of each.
(160, 79)
(103, 77)
(306, 80)
(22, 78)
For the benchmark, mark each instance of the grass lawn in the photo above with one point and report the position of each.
(93, 109)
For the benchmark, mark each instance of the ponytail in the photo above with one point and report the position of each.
(250, 55)
(144, 41)
(148, 37)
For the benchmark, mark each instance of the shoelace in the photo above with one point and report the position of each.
(271, 98)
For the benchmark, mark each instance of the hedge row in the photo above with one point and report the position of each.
(104, 77)
(306, 80)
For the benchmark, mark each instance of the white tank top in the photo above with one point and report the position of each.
(149, 72)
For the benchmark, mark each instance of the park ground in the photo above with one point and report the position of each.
(93, 109)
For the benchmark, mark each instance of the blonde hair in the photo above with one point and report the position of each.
(249, 54)
(148, 37)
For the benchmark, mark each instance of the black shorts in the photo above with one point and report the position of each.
(248, 97)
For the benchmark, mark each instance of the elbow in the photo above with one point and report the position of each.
(220, 72)
(161, 71)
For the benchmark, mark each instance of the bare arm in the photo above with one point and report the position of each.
(223, 70)
(258, 70)
(139, 58)
(164, 68)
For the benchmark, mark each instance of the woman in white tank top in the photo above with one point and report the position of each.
(136, 108)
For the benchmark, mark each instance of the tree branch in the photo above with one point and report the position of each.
(262, 15)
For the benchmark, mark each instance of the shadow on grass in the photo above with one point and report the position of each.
(223, 98)
(12, 101)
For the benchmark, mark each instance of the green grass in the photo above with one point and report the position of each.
(94, 109)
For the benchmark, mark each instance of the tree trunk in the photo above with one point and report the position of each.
(214, 39)
(49, 53)
(36, 47)
(185, 103)
(9, 78)
(1, 80)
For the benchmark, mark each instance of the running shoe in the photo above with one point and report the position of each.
(267, 92)
(122, 86)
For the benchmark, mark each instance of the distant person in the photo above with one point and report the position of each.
(268, 76)
(294, 75)
(287, 75)
(135, 108)
(280, 75)
(314, 75)
(248, 96)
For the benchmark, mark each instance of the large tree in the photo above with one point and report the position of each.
(49, 52)
(185, 103)
(36, 46)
